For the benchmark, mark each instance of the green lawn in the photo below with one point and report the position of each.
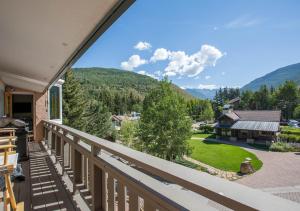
(203, 135)
(222, 156)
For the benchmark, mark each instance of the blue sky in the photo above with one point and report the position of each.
(201, 43)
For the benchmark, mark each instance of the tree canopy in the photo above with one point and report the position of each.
(165, 125)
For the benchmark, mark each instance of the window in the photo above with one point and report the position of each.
(54, 102)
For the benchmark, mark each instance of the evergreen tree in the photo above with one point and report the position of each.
(73, 102)
(287, 97)
(164, 124)
(98, 120)
(297, 112)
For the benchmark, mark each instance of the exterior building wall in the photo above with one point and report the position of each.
(41, 113)
(40, 110)
(2, 89)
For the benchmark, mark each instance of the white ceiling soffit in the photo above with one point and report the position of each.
(39, 40)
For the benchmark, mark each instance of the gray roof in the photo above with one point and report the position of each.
(256, 125)
(232, 116)
(263, 115)
(234, 100)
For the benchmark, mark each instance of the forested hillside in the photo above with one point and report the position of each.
(276, 78)
(121, 91)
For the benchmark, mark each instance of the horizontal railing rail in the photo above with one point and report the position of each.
(124, 186)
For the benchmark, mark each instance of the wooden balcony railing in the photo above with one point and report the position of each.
(120, 178)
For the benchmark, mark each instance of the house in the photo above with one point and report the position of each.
(69, 169)
(118, 119)
(258, 125)
(234, 102)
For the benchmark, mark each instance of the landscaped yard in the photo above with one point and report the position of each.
(203, 135)
(222, 156)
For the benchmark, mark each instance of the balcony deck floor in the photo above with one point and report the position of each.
(43, 189)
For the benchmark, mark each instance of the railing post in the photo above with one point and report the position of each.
(133, 200)
(121, 195)
(85, 171)
(62, 147)
(97, 188)
(49, 137)
(76, 166)
(111, 192)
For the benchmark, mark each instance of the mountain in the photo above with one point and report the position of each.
(119, 80)
(275, 78)
(202, 93)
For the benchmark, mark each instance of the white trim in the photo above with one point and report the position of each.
(58, 84)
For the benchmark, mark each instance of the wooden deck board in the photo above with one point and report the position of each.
(43, 188)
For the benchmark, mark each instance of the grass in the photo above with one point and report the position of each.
(203, 135)
(191, 165)
(222, 156)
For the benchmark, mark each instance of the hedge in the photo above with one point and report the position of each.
(289, 138)
(281, 147)
(290, 130)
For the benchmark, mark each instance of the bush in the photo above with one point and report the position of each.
(206, 129)
(289, 138)
(290, 130)
(281, 147)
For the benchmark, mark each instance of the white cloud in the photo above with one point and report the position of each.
(169, 74)
(215, 28)
(160, 54)
(158, 73)
(142, 46)
(191, 65)
(208, 86)
(223, 73)
(143, 72)
(207, 77)
(242, 22)
(133, 62)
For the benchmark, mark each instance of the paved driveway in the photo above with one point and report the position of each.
(279, 175)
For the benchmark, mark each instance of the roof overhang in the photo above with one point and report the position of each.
(40, 40)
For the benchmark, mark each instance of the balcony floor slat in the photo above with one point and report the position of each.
(42, 190)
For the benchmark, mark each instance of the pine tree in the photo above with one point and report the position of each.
(73, 102)
(98, 120)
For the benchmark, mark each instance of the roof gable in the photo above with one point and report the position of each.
(263, 115)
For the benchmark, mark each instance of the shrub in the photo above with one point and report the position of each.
(206, 129)
(281, 147)
(289, 138)
(290, 130)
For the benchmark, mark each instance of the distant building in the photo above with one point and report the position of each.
(118, 119)
(234, 102)
(252, 126)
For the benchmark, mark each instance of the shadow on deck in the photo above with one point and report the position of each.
(43, 188)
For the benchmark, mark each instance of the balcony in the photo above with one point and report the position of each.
(101, 175)
(72, 170)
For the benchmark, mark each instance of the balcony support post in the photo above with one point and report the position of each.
(76, 166)
(85, 171)
(121, 195)
(62, 147)
(95, 183)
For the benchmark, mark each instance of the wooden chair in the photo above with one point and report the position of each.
(6, 169)
(9, 137)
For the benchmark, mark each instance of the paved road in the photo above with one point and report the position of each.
(280, 174)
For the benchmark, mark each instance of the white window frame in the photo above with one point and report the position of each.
(58, 84)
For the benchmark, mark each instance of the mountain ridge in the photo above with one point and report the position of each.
(122, 80)
(275, 78)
